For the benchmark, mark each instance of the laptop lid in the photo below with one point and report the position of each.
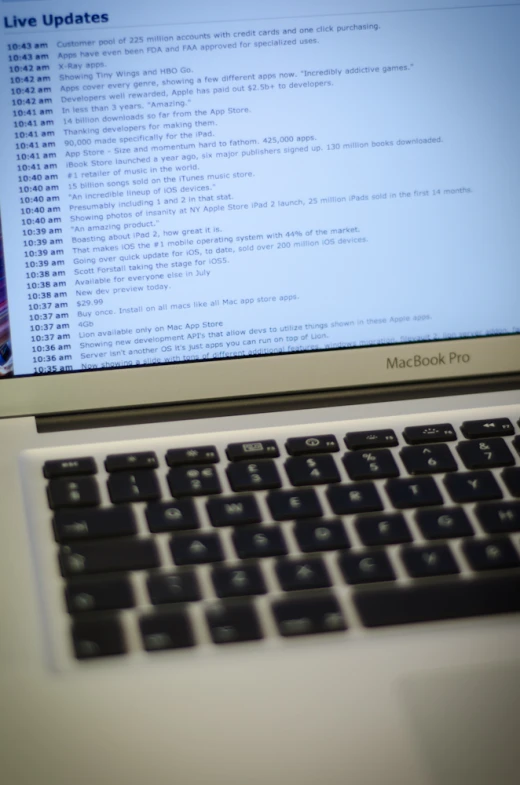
(201, 203)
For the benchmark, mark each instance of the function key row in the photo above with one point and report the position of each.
(315, 445)
(238, 451)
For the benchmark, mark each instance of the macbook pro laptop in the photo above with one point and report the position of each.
(259, 393)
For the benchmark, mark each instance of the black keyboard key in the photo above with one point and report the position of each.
(102, 595)
(308, 616)
(516, 443)
(233, 510)
(91, 523)
(68, 467)
(138, 486)
(196, 549)
(454, 599)
(130, 461)
(472, 486)
(366, 567)
(485, 453)
(306, 445)
(370, 464)
(285, 505)
(443, 523)
(294, 575)
(253, 475)
(315, 470)
(73, 492)
(384, 529)
(419, 492)
(369, 440)
(98, 638)
(427, 434)
(251, 451)
(233, 623)
(428, 460)
(171, 630)
(491, 554)
(172, 516)
(173, 587)
(354, 498)
(511, 478)
(499, 516)
(478, 429)
(238, 581)
(430, 560)
(189, 456)
(320, 535)
(258, 541)
(193, 481)
(110, 556)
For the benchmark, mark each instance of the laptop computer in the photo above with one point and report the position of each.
(259, 372)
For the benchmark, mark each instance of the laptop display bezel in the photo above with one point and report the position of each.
(258, 376)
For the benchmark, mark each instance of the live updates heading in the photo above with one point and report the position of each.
(51, 20)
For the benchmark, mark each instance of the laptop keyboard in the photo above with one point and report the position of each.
(303, 534)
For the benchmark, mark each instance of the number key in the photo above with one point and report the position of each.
(370, 464)
(428, 460)
(137, 486)
(318, 470)
(485, 453)
(253, 475)
(193, 481)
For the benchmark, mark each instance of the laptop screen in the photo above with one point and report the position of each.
(186, 182)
